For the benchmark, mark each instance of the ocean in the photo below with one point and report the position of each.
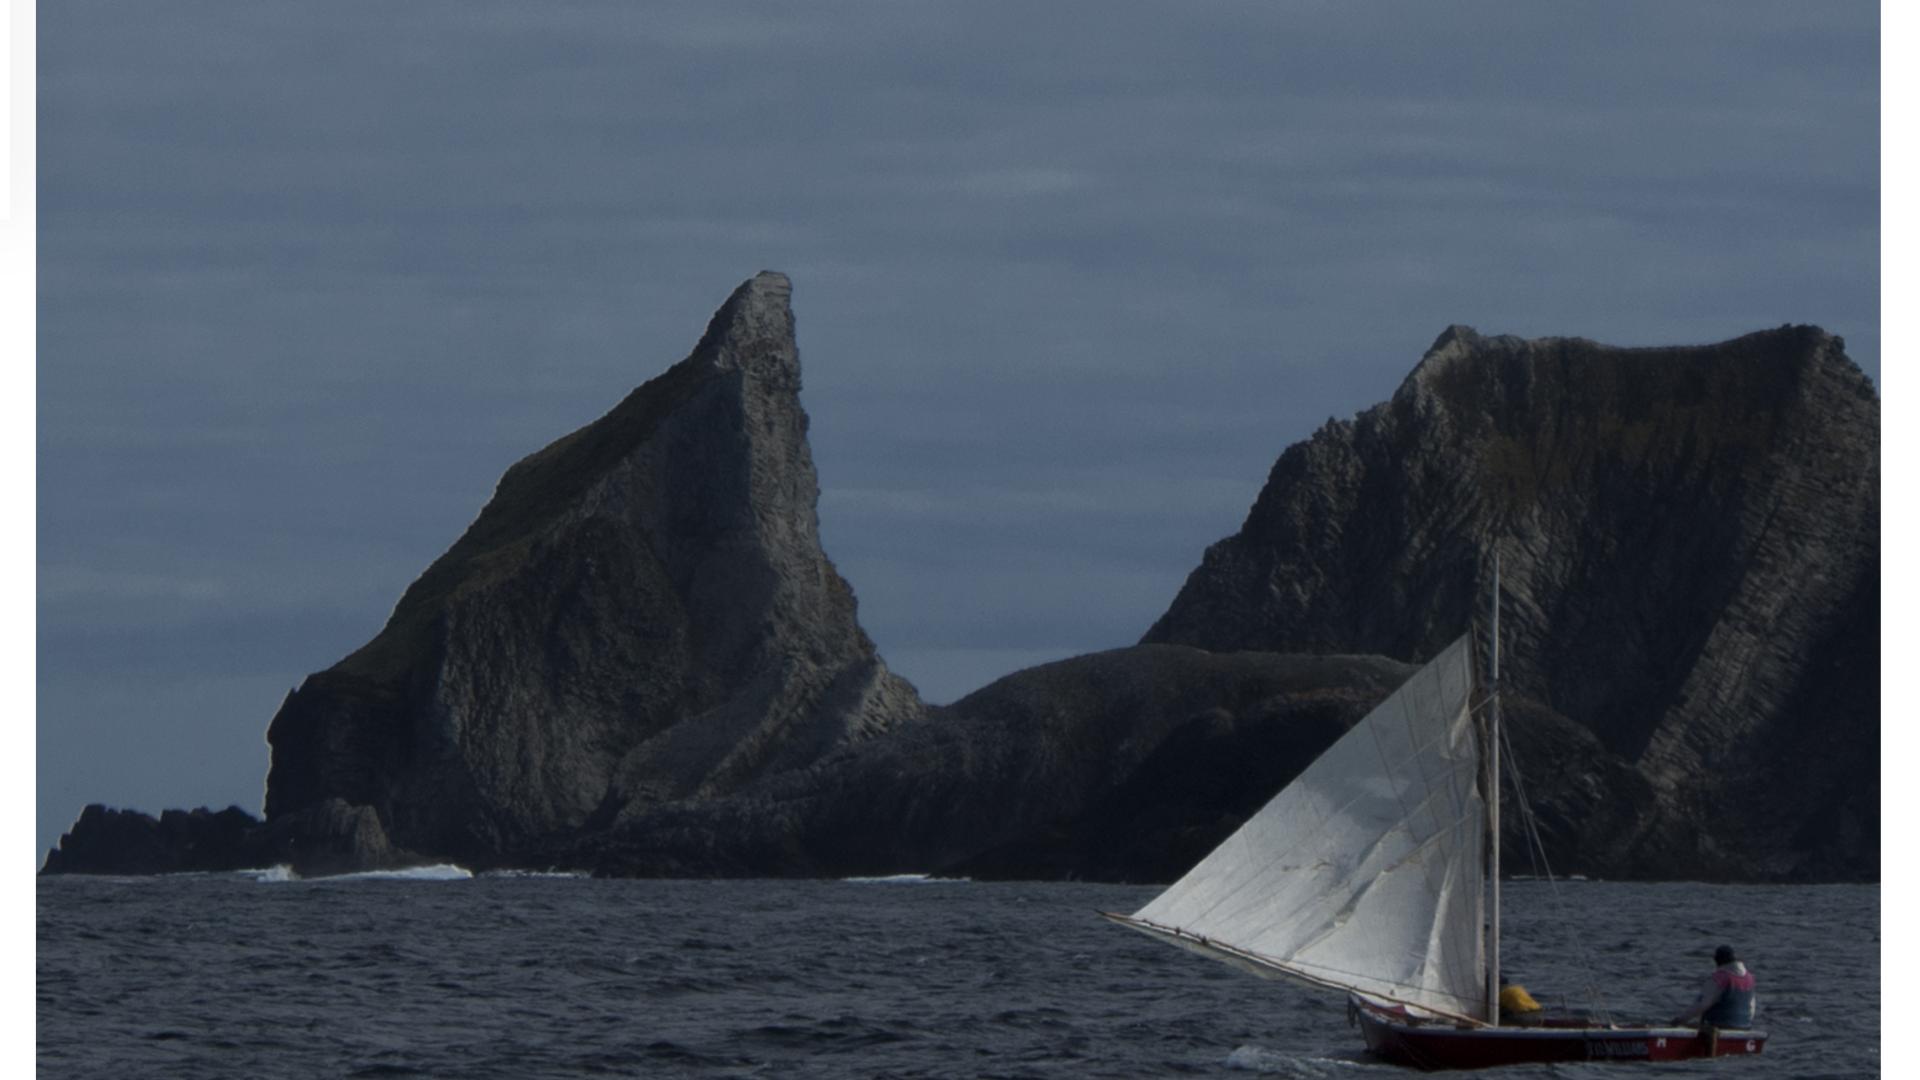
(440, 974)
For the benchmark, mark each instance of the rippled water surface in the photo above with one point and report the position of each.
(246, 976)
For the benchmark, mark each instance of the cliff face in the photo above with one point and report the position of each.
(642, 613)
(1690, 556)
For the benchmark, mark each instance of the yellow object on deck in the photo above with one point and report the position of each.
(1515, 999)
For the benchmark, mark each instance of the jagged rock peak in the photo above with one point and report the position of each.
(1469, 384)
(1791, 345)
(753, 329)
(1455, 340)
(642, 613)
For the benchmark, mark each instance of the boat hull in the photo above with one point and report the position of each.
(1442, 1046)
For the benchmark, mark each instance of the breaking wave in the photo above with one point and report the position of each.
(436, 872)
(906, 879)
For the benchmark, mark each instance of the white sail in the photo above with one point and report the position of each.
(1366, 872)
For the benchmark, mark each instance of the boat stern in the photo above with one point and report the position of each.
(1394, 1035)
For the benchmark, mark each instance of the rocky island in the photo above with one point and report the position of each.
(639, 661)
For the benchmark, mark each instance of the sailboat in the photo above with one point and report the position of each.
(1375, 873)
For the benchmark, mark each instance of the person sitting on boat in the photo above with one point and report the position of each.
(1516, 1005)
(1726, 1001)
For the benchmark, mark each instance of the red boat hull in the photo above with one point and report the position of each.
(1431, 1045)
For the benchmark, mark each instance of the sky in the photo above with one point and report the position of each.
(1068, 277)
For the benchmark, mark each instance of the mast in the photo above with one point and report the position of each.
(1493, 809)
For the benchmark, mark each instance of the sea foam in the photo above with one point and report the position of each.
(436, 872)
(906, 879)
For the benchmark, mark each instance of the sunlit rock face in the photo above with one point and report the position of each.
(1689, 543)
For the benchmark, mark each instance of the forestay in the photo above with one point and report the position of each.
(1365, 873)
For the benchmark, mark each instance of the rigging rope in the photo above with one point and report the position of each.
(1537, 856)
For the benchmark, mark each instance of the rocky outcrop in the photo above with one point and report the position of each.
(109, 841)
(637, 659)
(1119, 765)
(327, 838)
(1125, 765)
(1690, 548)
(642, 614)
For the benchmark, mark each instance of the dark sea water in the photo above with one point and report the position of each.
(236, 976)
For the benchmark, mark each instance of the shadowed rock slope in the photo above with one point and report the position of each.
(1018, 779)
(641, 614)
(1690, 556)
(1125, 765)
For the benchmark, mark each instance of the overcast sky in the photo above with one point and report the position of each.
(1068, 278)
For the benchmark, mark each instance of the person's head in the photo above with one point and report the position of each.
(1723, 955)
